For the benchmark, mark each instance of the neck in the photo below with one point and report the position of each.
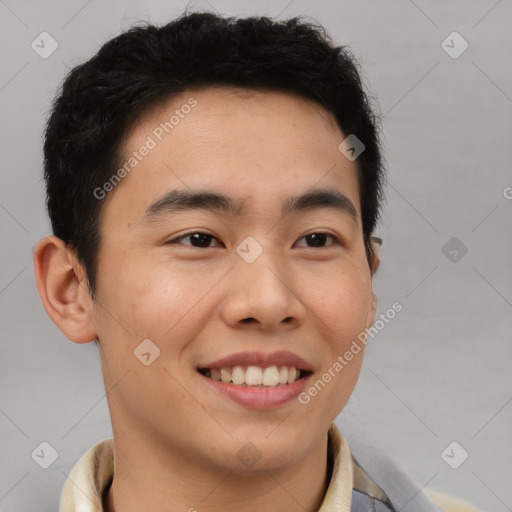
(144, 480)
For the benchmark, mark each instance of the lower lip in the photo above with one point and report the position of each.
(260, 398)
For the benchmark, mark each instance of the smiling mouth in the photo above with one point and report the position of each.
(256, 376)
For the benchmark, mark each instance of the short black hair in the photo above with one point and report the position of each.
(101, 100)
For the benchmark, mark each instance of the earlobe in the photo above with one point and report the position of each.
(61, 285)
(376, 263)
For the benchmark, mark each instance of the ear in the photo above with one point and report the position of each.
(62, 286)
(376, 243)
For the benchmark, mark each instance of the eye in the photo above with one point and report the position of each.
(202, 240)
(319, 238)
(198, 239)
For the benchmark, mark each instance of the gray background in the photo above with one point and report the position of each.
(439, 372)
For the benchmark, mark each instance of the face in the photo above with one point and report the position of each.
(253, 283)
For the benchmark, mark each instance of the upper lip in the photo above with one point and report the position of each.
(250, 358)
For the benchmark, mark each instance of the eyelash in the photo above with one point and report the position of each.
(186, 235)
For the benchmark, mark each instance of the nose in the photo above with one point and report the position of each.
(262, 295)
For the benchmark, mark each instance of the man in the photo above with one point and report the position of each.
(213, 187)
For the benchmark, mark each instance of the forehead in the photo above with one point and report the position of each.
(245, 143)
(231, 101)
(234, 119)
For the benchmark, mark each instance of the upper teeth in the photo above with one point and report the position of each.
(255, 375)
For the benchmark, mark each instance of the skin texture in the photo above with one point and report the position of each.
(176, 439)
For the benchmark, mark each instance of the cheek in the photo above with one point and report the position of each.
(151, 301)
(343, 304)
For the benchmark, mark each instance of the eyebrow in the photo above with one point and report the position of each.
(185, 200)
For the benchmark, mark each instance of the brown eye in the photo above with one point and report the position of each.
(319, 239)
(197, 239)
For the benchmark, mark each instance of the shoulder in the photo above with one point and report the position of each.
(448, 503)
(381, 477)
